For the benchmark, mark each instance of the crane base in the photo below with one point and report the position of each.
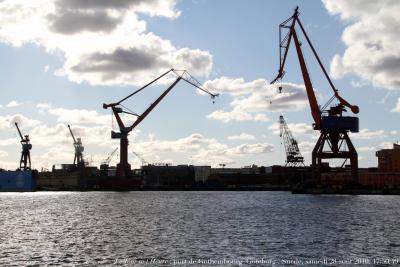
(335, 141)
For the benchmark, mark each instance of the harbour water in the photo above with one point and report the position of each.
(197, 229)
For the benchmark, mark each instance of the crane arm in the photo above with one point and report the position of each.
(116, 109)
(355, 109)
(153, 105)
(140, 157)
(105, 106)
(158, 100)
(315, 111)
(109, 158)
(285, 44)
(20, 134)
(72, 134)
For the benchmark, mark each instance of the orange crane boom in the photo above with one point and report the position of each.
(334, 127)
(285, 44)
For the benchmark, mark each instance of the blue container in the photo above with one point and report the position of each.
(17, 181)
(338, 124)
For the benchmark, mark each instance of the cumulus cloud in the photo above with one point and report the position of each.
(252, 99)
(371, 41)
(9, 121)
(59, 135)
(366, 148)
(242, 136)
(386, 145)
(74, 116)
(9, 141)
(397, 107)
(204, 150)
(296, 128)
(367, 134)
(13, 104)
(102, 42)
(3, 154)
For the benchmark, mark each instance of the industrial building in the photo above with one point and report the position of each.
(389, 159)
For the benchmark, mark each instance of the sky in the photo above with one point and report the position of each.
(62, 59)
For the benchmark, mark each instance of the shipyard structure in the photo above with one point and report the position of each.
(382, 179)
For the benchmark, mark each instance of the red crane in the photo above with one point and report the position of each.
(334, 127)
(123, 167)
(25, 161)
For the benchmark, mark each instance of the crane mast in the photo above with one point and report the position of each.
(79, 148)
(331, 123)
(123, 167)
(25, 161)
(293, 155)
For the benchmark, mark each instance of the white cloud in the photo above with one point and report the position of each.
(79, 116)
(252, 99)
(371, 41)
(236, 115)
(366, 148)
(13, 104)
(59, 135)
(296, 128)
(306, 146)
(44, 106)
(74, 116)
(397, 107)
(204, 150)
(235, 87)
(102, 42)
(3, 154)
(246, 149)
(242, 136)
(9, 141)
(386, 145)
(8, 121)
(367, 134)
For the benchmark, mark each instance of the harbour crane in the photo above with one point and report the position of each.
(25, 161)
(293, 155)
(79, 148)
(123, 167)
(144, 162)
(333, 126)
(104, 165)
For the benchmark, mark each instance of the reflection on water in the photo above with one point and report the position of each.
(100, 227)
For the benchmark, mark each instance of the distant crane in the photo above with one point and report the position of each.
(143, 161)
(104, 165)
(293, 155)
(25, 161)
(79, 148)
(123, 167)
(331, 123)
